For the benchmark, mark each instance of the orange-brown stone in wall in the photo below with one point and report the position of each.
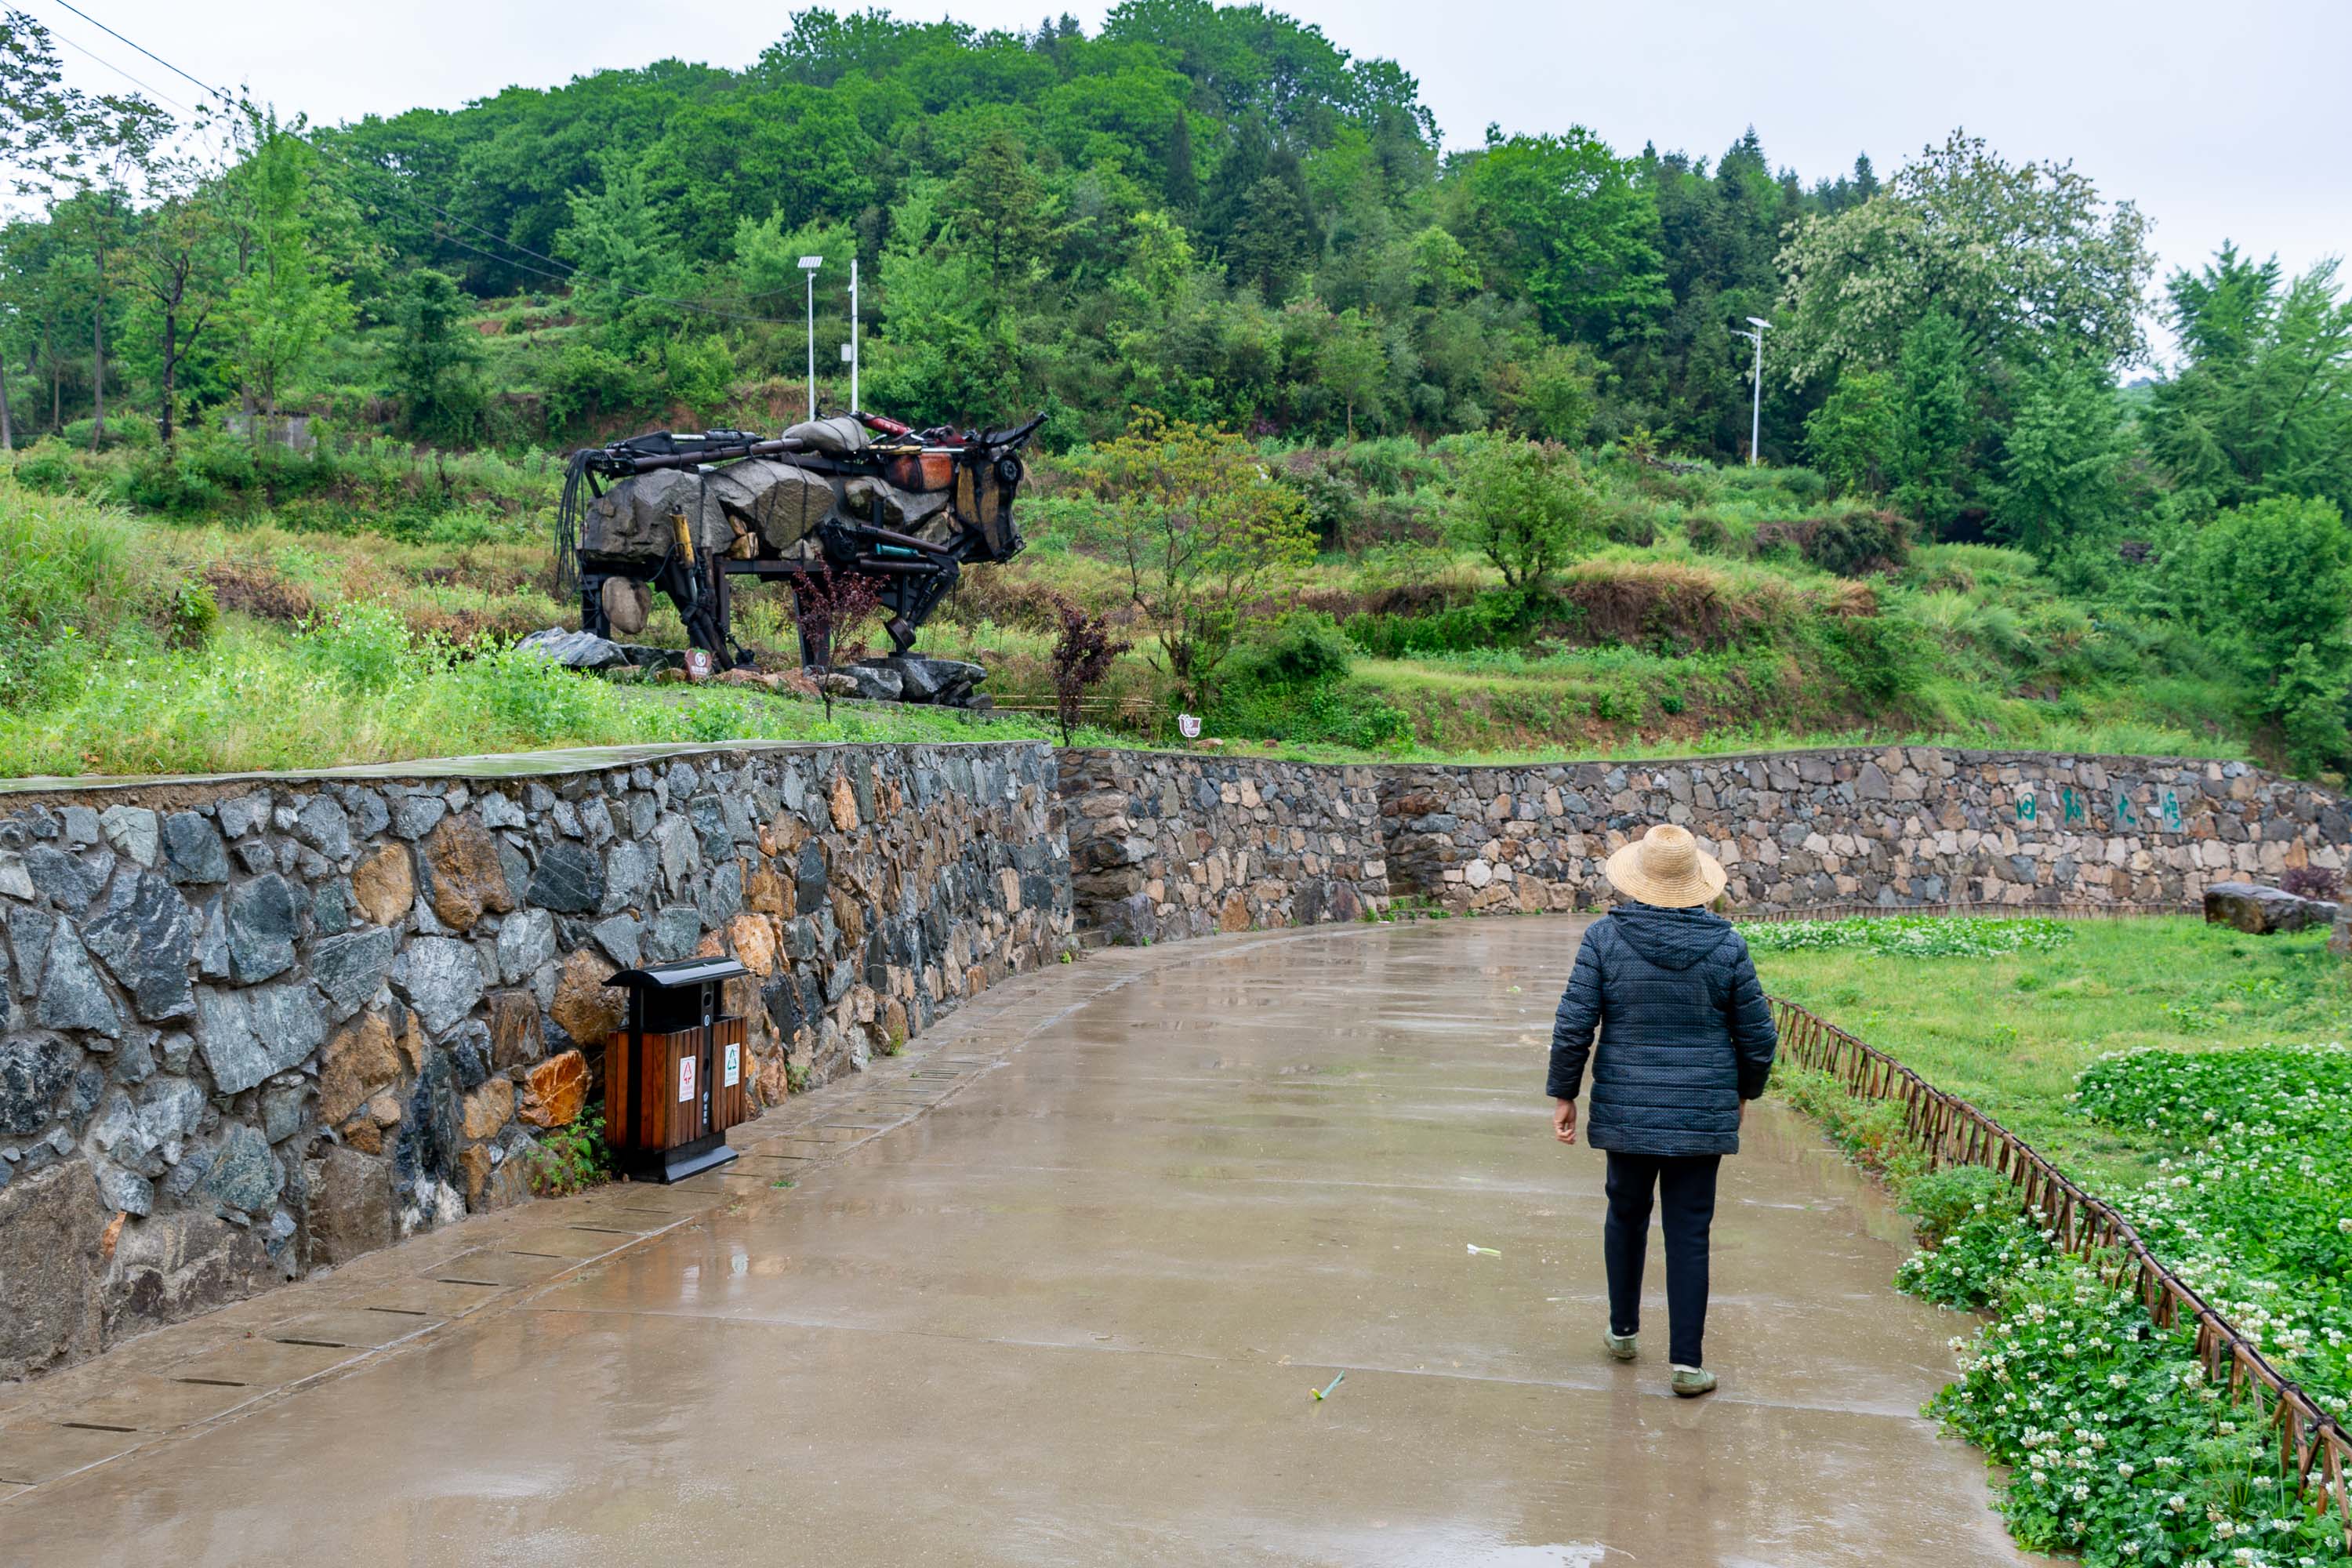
(585, 1007)
(467, 880)
(554, 1090)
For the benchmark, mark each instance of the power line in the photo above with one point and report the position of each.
(143, 49)
(570, 274)
(118, 70)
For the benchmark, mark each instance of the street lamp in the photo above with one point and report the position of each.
(1756, 414)
(809, 264)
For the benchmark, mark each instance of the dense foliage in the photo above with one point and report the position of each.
(1515, 359)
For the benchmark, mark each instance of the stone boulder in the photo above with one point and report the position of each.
(2264, 911)
(576, 651)
(945, 682)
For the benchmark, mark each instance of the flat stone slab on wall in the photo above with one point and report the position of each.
(252, 1027)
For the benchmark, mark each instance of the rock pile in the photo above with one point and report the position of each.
(906, 678)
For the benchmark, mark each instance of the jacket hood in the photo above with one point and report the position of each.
(1671, 939)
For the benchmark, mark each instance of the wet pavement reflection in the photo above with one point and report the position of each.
(1073, 1316)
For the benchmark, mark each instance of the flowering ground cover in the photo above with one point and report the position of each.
(1910, 936)
(2235, 1162)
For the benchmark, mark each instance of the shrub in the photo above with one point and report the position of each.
(1855, 543)
(2310, 881)
(1526, 506)
(1492, 619)
(567, 1160)
(1305, 647)
(47, 465)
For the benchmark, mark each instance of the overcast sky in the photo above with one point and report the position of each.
(2216, 119)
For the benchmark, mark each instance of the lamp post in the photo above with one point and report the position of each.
(809, 264)
(853, 333)
(1755, 413)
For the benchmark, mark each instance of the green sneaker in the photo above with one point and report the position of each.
(1690, 1381)
(1619, 1345)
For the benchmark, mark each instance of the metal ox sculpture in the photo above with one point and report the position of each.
(858, 494)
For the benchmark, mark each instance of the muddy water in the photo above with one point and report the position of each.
(1074, 1315)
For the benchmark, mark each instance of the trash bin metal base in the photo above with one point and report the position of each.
(688, 1159)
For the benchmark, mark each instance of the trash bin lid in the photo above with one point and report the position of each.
(678, 974)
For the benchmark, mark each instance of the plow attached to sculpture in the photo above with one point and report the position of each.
(855, 508)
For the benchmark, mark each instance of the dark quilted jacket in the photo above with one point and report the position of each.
(1684, 1033)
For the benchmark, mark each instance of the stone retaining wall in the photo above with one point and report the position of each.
(1888, 825)
(1169, 845)
(255, 1026)
(1165, 846)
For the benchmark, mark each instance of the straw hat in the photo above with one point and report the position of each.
(1667, 867)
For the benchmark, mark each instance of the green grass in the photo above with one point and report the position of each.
(260, 699)
(1645, 650)
(2010, 1032)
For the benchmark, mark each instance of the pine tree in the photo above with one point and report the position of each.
(1181, 187)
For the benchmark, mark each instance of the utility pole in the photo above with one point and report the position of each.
(1755, 413)
(809, 264)
(853, 404)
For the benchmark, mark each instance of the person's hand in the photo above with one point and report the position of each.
(1563, 1121)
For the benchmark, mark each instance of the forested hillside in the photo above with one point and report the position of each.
(1486, 408)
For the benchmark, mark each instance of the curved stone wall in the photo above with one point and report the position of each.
(257, 1025)
(250, 1026)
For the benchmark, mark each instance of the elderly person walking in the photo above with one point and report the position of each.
(1686, 1041)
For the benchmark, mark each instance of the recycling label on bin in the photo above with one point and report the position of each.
(734, 1065)
(685, 1078)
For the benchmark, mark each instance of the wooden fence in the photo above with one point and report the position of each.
(2312, 1444)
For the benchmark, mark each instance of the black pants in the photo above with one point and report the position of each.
(1686, 1185)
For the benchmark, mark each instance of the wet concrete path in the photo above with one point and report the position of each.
(1072, 1315)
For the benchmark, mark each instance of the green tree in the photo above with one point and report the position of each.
(1935, 398)
(183, 268)
(1526, 506)
(1853, 438)
(2061, 481)
(1203, 535)
(1180, 184)
(1562, 218)
(432, 360)
(2270, 584)
(2262, 403)
(1552, 397)
(1351, 363)
(286, 304)
(1270, 240)
(2030, 261)
(997, 205)
(625, 253)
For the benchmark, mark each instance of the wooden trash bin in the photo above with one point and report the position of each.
(674, 1073)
